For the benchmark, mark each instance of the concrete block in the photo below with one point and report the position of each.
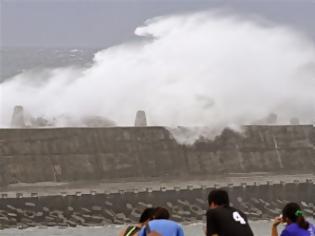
(17, 120)
(141, 120)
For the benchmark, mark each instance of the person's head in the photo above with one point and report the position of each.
(147, 215)
(161, 213)
(218, 197)
(292, 213)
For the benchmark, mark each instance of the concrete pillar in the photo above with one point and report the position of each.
(141, 119)
(18, 117)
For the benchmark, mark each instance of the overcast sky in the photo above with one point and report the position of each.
(90, 23)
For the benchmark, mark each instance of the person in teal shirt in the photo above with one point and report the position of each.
(161, 225)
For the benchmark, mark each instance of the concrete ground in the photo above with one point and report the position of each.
(53, 188)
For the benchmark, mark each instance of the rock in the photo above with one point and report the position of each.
(96, 208)
(51, 223)
(19, 211)
(26, 220)
(85, 210)
(45, 209)
(86, 217)
(12, 214)
(11, 207)
(201, 201)
(39, 214)
(69, 208)
(109, 213)
(120, 216)
(177, 217)
(184, 213)
(78, 219)
(135, 213)
(22, 226)
(108, 203)
(97, 219)
(49, 218)
(30, 204)
(29, 214)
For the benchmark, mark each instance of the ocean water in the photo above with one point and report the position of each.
(14, 61)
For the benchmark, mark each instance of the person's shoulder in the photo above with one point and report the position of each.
(165, 222)
(289, 229)
(221, 209)
(213, 210)
(159, 221)
(235, 209)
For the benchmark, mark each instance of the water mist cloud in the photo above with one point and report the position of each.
(193, 70)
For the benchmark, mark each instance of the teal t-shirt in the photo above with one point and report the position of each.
(164, 227)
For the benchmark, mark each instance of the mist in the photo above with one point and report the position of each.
(200, 69)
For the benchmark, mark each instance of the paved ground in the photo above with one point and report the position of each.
(52, 188)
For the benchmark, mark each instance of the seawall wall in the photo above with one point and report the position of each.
(71, 154)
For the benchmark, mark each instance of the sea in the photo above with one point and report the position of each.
(16, 60)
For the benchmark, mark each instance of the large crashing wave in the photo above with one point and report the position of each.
(200, 69)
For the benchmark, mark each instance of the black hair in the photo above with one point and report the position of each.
(161, 213)
(147, 214)
(219, 197)
(293, 212)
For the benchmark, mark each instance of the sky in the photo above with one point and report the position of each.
(102, 23)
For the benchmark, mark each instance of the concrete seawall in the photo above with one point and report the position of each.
(72, 154)
(186, 204)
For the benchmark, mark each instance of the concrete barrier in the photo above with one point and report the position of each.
(260, 201)
(72, 154)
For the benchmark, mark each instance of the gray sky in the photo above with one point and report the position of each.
(90, 23)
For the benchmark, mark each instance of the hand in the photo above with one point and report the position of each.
(277, 221)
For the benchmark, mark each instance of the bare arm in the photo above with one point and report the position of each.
(274, 231)
(121, 233)
(276, 222)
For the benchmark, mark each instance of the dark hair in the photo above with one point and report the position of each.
(147, 214)
(161, 213)
(219, 197)
(293, 212)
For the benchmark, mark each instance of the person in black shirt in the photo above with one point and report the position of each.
(223, 220)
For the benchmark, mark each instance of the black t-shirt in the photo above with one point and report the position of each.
(227, 221)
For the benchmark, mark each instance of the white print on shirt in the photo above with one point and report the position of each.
(237, 217)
